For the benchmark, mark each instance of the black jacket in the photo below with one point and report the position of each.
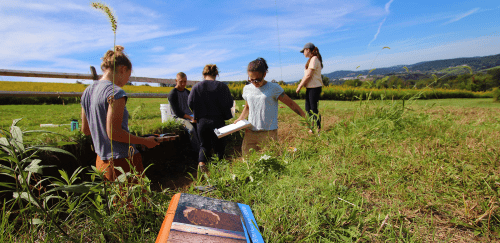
(173, 99)
(211, 99)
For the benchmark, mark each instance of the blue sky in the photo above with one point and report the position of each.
(166, 37)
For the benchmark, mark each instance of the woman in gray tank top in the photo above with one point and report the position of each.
(105, 118)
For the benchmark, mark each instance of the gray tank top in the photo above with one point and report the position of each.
(95, 104)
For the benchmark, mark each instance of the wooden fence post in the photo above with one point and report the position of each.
(94, 73)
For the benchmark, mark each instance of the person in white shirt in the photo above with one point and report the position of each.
(261, 107)
(312, 81)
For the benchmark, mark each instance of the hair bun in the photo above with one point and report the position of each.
(119, 48)
(115, 58)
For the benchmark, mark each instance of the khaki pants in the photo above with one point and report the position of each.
(255, 139)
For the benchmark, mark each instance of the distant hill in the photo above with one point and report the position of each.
(476, 63)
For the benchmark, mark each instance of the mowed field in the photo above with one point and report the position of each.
(379, 171)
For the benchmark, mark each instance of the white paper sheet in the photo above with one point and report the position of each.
(226, 130)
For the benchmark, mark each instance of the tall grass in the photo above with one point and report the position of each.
(379, 171)
(388, 172)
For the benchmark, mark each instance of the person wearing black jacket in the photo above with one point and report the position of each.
(211, 103)
(178, 99)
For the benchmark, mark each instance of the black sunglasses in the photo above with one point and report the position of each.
(256, 81)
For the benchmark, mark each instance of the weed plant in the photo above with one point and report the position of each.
(390, 171)
(380, 171)
(66, 209)
(496, 94)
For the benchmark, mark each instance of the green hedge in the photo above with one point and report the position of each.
(38, 100)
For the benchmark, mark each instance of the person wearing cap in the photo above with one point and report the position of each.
(312, 81)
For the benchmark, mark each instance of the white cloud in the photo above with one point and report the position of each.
(164, 66)
(158, 49)
(47, 6)
(40, 40)
(461, 16)
(387, 6)
(406, 54)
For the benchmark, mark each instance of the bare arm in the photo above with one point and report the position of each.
(114, 126)
(290, 103)
(186, 116)
(307, 77)
(244, 113)
(85, 123)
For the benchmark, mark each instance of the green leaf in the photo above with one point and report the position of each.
(358, 67)
(35, 168)
(60, 144)
(41, 131)
(123, 177)
(435, 77)
(25, 196)
(36, 221)
(4, 142)
(386, 47)
(5, 168)
(17, 135)
(14, 122)
(372, 70)
(64, 175)
(406, 69)
(96, 216)
(6, 157)
(41, 181)
(75, 174)
(75, 188)
(52, 149)
(5, 145)
(7, 185)
(119, 168)
(470, 69)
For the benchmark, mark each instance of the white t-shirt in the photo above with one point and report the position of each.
(263, 105)
(316, 80)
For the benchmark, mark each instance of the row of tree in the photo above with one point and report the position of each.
(474, 82)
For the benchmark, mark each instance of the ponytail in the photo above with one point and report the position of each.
(315, 53)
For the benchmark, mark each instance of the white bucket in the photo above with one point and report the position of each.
(233, 109)
(166, 112)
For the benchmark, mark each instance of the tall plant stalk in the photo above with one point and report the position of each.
(107, 11)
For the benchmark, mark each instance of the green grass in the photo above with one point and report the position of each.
(147, 120)
(378, 172)
(492, 68)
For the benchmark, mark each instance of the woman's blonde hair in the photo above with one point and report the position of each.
(115, 58)
(210, 70)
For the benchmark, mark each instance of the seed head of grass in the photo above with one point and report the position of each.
(103, 7)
